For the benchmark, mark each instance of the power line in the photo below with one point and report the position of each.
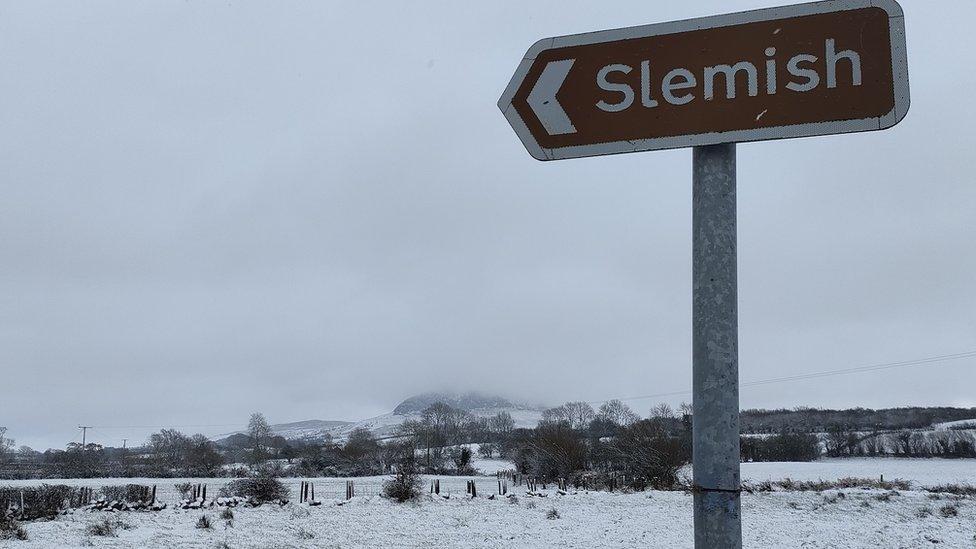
(756, 383)
(164, 426)
(825, 373)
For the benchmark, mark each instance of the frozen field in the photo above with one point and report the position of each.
(587, 520)
(922, 472)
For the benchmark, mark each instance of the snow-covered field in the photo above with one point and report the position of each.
(922, 472)
(859, 518)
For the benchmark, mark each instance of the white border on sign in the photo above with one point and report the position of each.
(899, 66)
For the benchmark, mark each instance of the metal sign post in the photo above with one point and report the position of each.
(715, 344)
(830, 67)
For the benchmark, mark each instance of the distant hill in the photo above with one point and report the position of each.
(385, 425)
(466, 401)
(309, 429)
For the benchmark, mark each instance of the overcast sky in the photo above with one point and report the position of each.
(316, 210)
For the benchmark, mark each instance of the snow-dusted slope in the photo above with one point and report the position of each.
(311, 428)
(385, 425)
(961, 424)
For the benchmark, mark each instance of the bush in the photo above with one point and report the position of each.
(650, 454)
(949, 511)
(227, 514)
(185, 489)
(11, 529)
(487, 450)
(127, 493)
(552, 514)
(462, 461)
(406, 484)
(258, 489)
(781, 447)
(844, 483)
(45, 501)
(107, 528)
(204, 523)
(955, 489)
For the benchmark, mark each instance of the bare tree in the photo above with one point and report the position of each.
(618, 413)
(501, 424)
(202, 457)
(445, 423)
(259, 431)
(169, 448)
(6, 444)
(662, 411)
(555, 415)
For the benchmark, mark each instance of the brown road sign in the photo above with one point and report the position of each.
(811, 69)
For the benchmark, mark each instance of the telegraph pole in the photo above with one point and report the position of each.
(84, 434)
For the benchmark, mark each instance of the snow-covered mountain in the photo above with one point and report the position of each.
(525, 415)
(312, 428)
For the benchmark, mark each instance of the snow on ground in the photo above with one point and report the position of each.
(922, 472)
(587, 520)
(961, 424)
(487, 466)
(859, 519)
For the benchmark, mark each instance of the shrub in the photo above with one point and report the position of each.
(107, 528)
(305, 534)
(11, 529)
(780, 447)
(487, 450)
(227, 514)
(955, 489)
(126, 492)
(844, 483)
(204, 523)
(185, 489)
(45, 501)
(406, 484)
(552, 514)
(462, 461)
(651, 454)
(949, 511)
(763, 486)
(924, 512)
(258, 489)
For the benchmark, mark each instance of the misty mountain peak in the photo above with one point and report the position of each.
(463, 401)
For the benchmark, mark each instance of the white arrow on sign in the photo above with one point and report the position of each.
(542, 98)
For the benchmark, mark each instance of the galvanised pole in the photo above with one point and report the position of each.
(715, 438)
